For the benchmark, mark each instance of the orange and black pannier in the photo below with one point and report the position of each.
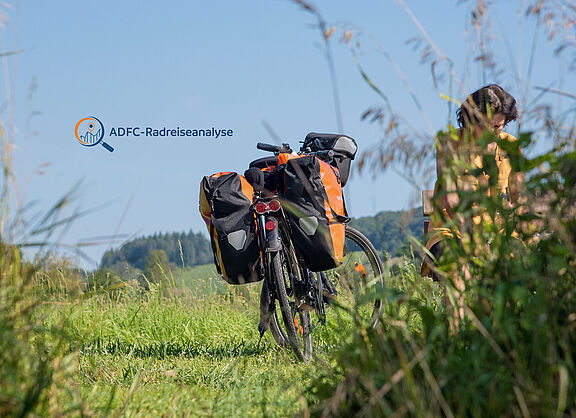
(225, 200)
(313, 201)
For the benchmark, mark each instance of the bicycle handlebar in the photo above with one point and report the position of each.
(277, 149)
(274, 148)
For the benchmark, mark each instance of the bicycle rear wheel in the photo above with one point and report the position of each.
(355, 298)
(290, 324)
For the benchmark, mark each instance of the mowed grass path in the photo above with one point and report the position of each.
(189, 347)
(182, 353)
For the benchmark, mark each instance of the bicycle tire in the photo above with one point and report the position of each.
(296, 331)
(361, 273)
(377, 267)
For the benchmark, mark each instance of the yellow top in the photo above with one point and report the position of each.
(503, 164)
(467, 156)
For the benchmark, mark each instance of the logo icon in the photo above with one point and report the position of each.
(90, 132)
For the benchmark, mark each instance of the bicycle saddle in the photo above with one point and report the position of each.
(270, 161)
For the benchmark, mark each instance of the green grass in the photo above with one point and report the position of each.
(183, 355)
(511, 351)
(201, 280)
(190, 348)
(177, 351)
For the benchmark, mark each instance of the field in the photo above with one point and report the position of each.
(187, 344)
(185, 355)
(187, 347)
(495, 336)
(190, 349)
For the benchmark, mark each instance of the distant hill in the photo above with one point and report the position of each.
(387, 230)
(132, 254)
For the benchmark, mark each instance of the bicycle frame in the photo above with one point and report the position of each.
(268, 239)
(269, 242)
(267, 231)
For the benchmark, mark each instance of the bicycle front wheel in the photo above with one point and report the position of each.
(357, 282)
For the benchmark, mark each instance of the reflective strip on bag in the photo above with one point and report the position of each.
(237, 239)
(308, 224)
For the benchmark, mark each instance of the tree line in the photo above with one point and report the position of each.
(181, 249)
(387, 230)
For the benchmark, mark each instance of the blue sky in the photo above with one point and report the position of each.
(227, 64)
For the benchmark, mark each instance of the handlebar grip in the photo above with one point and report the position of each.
(268, 147)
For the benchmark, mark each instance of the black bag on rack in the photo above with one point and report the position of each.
(340, 151)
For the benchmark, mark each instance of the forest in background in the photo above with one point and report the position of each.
(387, 230)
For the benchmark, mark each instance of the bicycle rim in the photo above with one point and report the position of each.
(358, 282)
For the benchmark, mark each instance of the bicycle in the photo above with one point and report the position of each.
(297, 290)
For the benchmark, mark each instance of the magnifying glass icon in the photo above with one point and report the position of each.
(90, 132)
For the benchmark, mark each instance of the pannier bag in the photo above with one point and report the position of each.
(313, 201)
(225, 200)
(343, 150)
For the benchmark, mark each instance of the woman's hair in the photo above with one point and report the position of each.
(491, 98)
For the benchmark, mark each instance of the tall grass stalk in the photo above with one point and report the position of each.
(513, 354)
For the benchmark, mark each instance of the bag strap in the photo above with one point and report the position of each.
(337, 216)
(218, 269)
(337, 174)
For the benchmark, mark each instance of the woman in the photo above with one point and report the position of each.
(459, 168)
